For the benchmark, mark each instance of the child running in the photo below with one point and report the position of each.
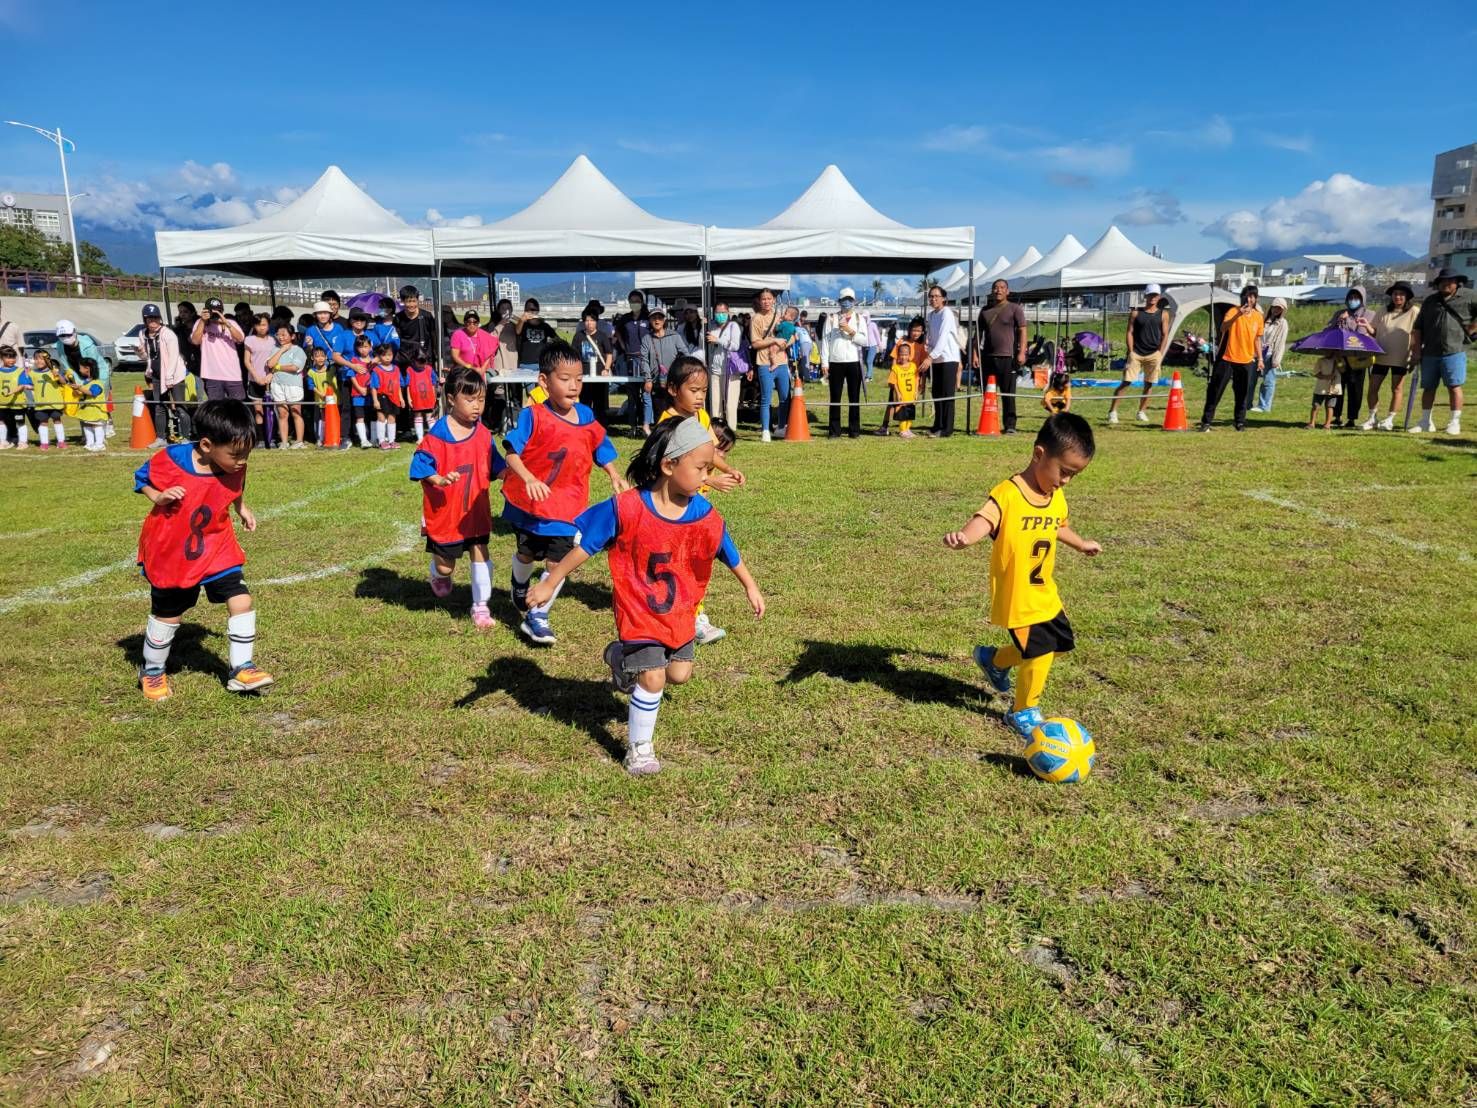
(388, 397)
(420, 391)
(92, 408)
(455, 464)
(1026, 515)
(187, 542)
(550, 453)
(663, 537)
(902, 380)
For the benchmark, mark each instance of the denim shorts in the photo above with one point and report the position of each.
(1449, 369)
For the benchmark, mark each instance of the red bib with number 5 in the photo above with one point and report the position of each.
(560, 454)
(659, 571)
(459, 511)
(185, 541)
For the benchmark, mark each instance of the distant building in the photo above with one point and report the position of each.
(508, 289)
(1236, 273)
(1315, 269)
(46, 213)
(1454, 212)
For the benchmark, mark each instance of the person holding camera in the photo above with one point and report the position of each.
(217, 334)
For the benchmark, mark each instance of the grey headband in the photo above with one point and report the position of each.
(690, 435)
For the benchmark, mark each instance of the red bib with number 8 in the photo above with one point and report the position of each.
(560, 454)
(187, 540)
(659, 571)
(461, 510)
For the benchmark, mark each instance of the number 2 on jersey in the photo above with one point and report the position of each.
(1039, 552)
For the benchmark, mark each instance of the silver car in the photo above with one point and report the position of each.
(129, 348)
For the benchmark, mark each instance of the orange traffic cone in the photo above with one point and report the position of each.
(141, 435)
(798, 428)
(330, 422)
(989, 410)
(1174, 415)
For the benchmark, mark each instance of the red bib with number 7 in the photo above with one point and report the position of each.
(185, 541)
(560, 454)
(659, 571)
(458, 511)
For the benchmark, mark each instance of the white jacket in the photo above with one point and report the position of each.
(838, 347)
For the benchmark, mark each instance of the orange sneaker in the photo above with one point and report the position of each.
(248, 678)
(156, 686)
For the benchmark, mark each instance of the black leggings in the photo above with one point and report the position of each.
(1352, 401)
(847, 375)
(943, 379)
(1239, 375)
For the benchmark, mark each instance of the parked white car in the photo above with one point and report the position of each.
(130, 348)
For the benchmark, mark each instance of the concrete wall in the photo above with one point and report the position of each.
(103, 319)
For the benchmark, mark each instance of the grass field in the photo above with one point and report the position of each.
(414, 871)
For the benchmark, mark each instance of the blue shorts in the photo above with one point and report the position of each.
(1449, 369)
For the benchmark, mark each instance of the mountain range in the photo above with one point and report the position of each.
(1369, 255)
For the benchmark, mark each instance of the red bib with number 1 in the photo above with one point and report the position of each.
(561, 455)
(185, 541)
(659, 571)
(458, 511)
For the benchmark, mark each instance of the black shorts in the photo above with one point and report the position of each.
(388, 407)
(905, 413)
(172, 603)
(451, 551)
(38, 416)
(639, 657)
(1395, 371)
(549, 549)
(255, 392)
(1052, 637)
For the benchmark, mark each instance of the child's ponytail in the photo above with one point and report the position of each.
(646, 467)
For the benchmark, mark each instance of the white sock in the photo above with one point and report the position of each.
(420, 429)
(522, 571)
(61, 433)
(359, 430)
(45, 431)
(241, 631)
(4, 433)
(544, 609)
(641, 717)
(23, 429)
(481, 583)
(435, 573)
(157, 637)
(94, 434)
(318, 428)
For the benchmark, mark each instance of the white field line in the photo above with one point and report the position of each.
(19, 536)
(57, 593)
(1266, 496)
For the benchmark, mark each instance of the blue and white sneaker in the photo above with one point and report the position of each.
(518, 592)
(984, 656)
(1025, 721)
(535, 627)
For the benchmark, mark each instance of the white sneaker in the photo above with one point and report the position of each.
(1143, 417)
(765, 437)
(1421, 425)
(110, 432)
(1112, 417)
(641, 760)
(1388, 423)
(706, 634)
(1455, 426)
(1369, 424)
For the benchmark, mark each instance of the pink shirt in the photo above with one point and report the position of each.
(258, 349)
(474, 351)
(218, 360)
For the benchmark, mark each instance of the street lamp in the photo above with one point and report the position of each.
(61, 149)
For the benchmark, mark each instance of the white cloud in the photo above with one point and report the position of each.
(436, 219)
(191, 196)
(956, 138)
(1215, 132)
(1151, 207)
(1298, 144)
(1340, 209)
(1106, 158)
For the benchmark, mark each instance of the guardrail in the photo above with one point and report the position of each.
(33, 282)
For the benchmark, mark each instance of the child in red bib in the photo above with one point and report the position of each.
(187, 542)
(420, 391)
(550, 454)
(663, 537)
(357, 375)
(455, 464)
(388, 397)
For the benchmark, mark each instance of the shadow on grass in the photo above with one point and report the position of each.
(1013, 762)
(187, 652)
(587, 705)
(414, 593)
(865, 662)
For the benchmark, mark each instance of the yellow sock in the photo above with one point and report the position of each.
(905, 425)
(1030, 680)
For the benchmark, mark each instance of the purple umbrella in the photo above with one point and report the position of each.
(365, 302)
(1092, 341)
(1334, 340)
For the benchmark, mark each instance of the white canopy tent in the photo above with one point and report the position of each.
(1113, 262)
(830, 228)
(669, 283)
(1065, 252)
(1002, 263)
(583, 222)
(333, 229)
(954, 277)
(1024, 262)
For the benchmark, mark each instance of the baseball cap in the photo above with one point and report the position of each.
(214, 305)
(151, 311)
(847, 294)
(65, 327)
(1152, 290)
(322, 306)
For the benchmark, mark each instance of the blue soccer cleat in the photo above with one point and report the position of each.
(536, 627)
(1025, 721)
(984, 656)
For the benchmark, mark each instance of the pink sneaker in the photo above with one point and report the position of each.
(441, 586)
(482, 618)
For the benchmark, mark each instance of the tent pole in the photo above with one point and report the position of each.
(272, 292)
(164, 285)
(971, 346)
(436, 310)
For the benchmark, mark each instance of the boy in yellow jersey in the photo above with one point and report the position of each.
(1026, 515)
(15, 386)
(902, 381)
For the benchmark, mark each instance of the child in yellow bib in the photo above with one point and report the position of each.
(902, 381)
(1027, 517)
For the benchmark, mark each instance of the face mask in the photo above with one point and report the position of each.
(1354, 303)
(635, 306)
(720, 317)
(848, 304)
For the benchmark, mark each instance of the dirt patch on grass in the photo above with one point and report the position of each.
(89, 890)
(1131, 889)
(1042, 954)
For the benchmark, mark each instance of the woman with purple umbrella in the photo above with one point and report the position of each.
(1353, 316)
(1336, 345)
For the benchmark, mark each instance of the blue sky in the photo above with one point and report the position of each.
(961, 117)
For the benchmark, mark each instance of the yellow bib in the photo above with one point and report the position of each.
(11, 393)
(49, 392)
(92, 408)
(904, 378)
(702, 417)
(1022, 588)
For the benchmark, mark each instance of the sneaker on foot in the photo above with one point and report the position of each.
(7, 446)
(44, 446)
(482, 618)
(248, 678)
(1025, 721)
(440, 586)
(1143, 417)
(1388, 423)
(641, 761)
(1112, 417)
(536, 628)
(705, 633)
(1370, 423)
(156, 686)
(158, 444)
(1454, 426)
(984, 657)
(622, 681)
(765, 437)
(1422, 426)
(23, 446)
(906, 435)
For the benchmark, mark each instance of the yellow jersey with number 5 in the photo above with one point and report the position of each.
(1022, 563)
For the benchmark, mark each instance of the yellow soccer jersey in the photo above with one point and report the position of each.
(1023, 561)
(92, 404)
(50, 393)
(702, 417)
(12, 392)
(318, 379)
(904, 378)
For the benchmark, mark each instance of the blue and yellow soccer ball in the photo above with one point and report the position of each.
(1061, 750)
